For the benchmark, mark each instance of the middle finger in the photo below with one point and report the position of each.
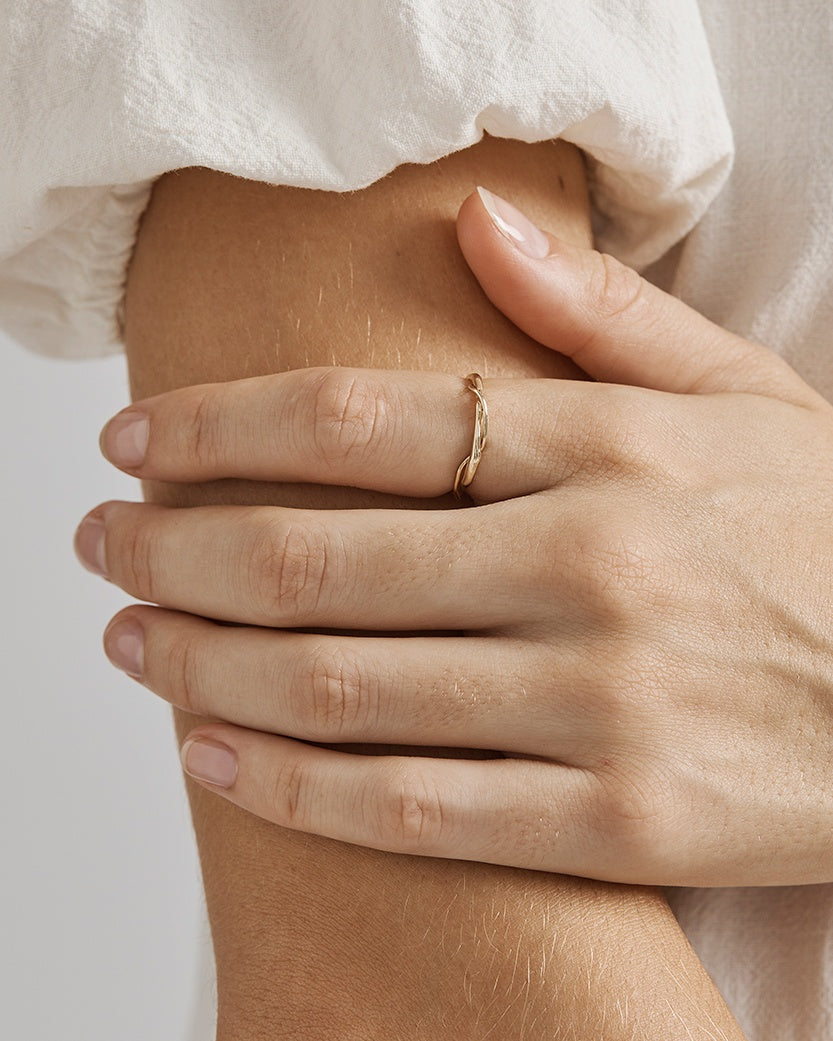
(343, 569)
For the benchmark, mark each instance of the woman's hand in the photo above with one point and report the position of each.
(637, 613)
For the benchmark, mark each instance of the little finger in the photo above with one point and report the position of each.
(523, 813)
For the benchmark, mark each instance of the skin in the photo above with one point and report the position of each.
(224, 284)
(638, 663)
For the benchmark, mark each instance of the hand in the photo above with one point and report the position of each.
(636, 614)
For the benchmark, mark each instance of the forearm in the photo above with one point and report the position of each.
(312, 938)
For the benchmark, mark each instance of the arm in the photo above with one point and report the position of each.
(234, 279)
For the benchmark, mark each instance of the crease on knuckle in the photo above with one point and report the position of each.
(616, 291)
(622, 446)
(185, 674)
(614, 570)
(635, 813)
(289, 568)
(201, 444)
(350, 417)
(137, 561)
(412, 817)
(342, 700)
(287, 795)
(617, 439)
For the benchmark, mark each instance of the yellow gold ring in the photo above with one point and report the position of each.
(468, 468)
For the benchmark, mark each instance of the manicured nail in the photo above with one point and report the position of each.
(89, 545)
(124, 645)
(513, 225)
(209, 761)
(124, 440)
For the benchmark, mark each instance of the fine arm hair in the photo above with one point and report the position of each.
(315, 939)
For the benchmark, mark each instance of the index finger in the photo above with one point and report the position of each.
(404, 433)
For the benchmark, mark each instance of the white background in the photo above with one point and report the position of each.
(99, 891)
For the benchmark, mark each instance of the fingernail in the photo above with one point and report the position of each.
(124, 440)
(124, 645)
(513, 225)
(89, 545)
(209, 761)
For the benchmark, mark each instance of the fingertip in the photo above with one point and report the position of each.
(474, 229)
(501, 244)
(209, 760)
(518, 230)
(124, 640)
(486, 251)
(124, 439)
(470, 208)
(89, 543)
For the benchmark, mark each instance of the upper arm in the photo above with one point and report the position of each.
(233, 278)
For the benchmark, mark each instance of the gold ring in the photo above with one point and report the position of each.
(468, 468)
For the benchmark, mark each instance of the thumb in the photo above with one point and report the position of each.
(613, 324)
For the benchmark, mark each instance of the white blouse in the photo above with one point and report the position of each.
(100, 98)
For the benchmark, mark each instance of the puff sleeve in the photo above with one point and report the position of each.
(100, 99)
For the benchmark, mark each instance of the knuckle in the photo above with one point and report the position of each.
(202, 439)
(411, 816)
(185, 671)
(351, 414)
(343, 699)
(135, 559)
(635, 813)
(287, 795)
(288, 569)
(619, 438)
(615, 290)
(625, 447)
(623, 689)
(614, 568)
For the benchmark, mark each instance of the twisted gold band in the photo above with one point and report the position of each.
(468, 468)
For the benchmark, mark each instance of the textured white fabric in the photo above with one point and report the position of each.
(104, 93)
(761, 263)
(101, 96)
